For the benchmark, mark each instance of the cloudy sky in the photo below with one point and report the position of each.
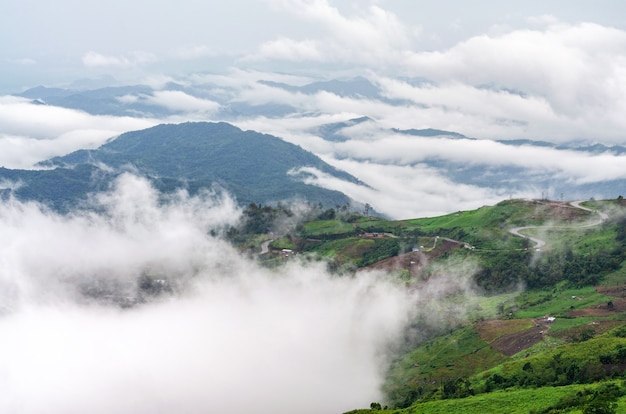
(67, 39)
(551, 71)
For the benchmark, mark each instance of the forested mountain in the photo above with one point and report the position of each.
(253, 167)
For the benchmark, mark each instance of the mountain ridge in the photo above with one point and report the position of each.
(253, 167)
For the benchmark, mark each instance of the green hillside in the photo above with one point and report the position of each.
(543, 329)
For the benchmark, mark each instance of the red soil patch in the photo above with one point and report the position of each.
(618, 305)
(414, 262)
(559, 211)
(511, 343)
(615, 291)
(495, 328)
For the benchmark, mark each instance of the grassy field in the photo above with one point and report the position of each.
(507, 401)
(557, 302)
(511, 213)
(345, 249)
(617, 277)
(460, 353)
(513, 401)
(283, 243)
(326, 227)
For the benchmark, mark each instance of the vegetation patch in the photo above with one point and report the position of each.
(557, 302)
(326, 228)
(494, 329)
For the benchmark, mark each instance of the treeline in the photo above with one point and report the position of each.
(577, 269)
(586, 361)
(503, 270)
(599, 400)
(573, 365)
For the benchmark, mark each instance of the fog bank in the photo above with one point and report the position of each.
(224, 335)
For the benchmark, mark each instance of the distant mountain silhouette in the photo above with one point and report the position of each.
(253, 167)
(430, 132)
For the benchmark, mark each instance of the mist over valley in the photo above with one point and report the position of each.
(324, 206)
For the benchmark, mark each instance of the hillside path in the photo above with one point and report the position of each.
(540, 243)
(265, 246)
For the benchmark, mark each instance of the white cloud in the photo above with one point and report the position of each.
(288, 49)
(403, 150)
(127, 99)
(95, 60)
(33, 133)
(372, 35)
(233, 327)
(244, 78)
(181, 101)
(407, 191)
(481, 111)
(556, 81)
(403, 186)
(578, 70)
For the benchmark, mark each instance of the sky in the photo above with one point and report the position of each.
(550, 71)
(44, 42)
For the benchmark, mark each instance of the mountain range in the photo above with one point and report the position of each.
(346, 138)
(252, 167)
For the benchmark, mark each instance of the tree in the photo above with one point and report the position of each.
(603, 400)
(600, 406)
(457, 388)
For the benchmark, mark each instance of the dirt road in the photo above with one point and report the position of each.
(539, 243)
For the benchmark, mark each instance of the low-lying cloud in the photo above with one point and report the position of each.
(226, 334)
(553, 81)
(30, 133)
(181, 102)
(401, 170)
(404, 192)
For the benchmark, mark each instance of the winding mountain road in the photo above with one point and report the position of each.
(540, 243)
